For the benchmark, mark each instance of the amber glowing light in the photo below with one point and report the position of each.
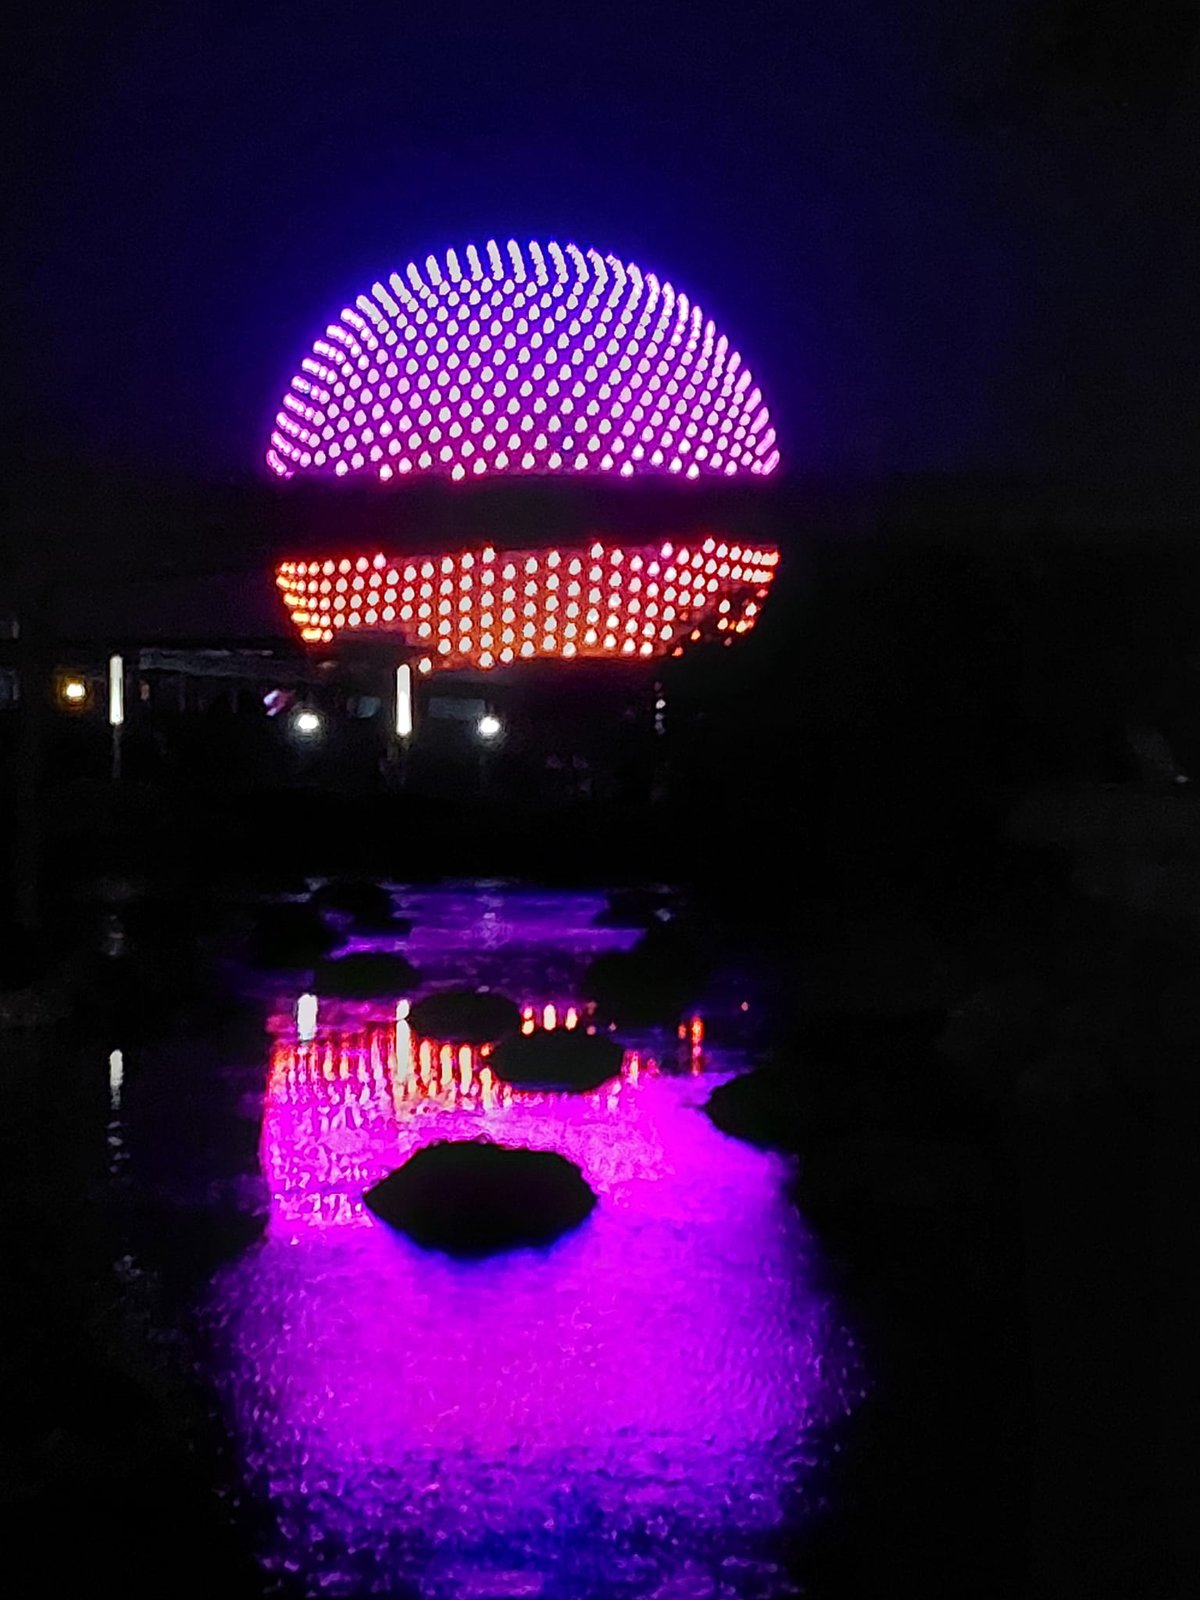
(486, 608)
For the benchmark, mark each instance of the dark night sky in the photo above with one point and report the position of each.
(959, 238)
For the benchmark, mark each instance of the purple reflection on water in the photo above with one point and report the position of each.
(630, 1412)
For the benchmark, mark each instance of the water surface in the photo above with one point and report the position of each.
(639, 1410)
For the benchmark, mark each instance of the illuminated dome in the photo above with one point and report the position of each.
(551, 361)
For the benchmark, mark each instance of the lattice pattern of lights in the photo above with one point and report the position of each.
(545, 361)
(486, 608)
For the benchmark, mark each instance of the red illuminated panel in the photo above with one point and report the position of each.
(486, 608)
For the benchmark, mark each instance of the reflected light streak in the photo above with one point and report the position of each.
(116, 1078)
(306, 1016)
(691, 1038)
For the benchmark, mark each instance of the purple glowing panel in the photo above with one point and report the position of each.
(547, 360)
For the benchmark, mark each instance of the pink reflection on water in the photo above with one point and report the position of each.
(347, 1107)
(637, 1406)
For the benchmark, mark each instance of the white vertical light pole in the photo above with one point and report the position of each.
(404, 701)
(404, 717)
(116, 709)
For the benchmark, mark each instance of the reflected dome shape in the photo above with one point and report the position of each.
(551, 360)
